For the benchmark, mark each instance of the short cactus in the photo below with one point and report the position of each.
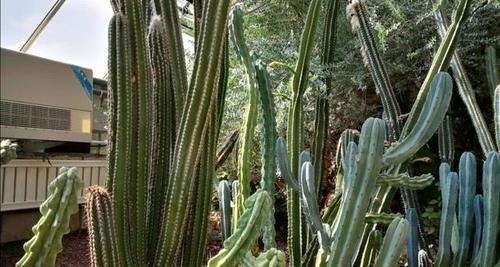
(224, 193)
(43, 247)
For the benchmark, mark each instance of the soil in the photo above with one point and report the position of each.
(76, 251)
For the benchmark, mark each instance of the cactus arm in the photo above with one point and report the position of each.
(465, 91)
(491, 187)
(321, 122)
(445, 141)
(491, 68)
(200, 101)
(295, 129)
(467, 190)
(381, 218)
(284, 164)
(431, 116)
(349, 230)
(440, 61)
(43, 247)
(224, 207)
(371, 56)
(478, 224)
(371, 249)
(403, 180)
(496, 114)
(412, 239)
(100, 228)
(449, 192)
(393, 243)
(247, 231)
(250, 121)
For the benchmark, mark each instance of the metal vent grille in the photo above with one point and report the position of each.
(32, 116)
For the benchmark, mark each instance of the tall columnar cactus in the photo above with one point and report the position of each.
(371, 249)
(162, 131)
(496, 114)
(467, 190)
(490, 56)
(465, 90)
(295, 129)
(43, 247)
(478, 224)
(321, 119)
(250, 120)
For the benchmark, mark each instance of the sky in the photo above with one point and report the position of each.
(77, 34)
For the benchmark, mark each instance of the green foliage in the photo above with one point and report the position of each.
(46, 243)
(7, 151)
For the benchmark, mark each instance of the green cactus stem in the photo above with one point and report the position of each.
(321, 122)
(248, 229)
(466, 91)
(496, 114)
(467, 190)
(445, 141)
(46, 243)
(403, 180)
(372, 248)
(449, 193)
(478, 224)
(491, 187)
(295, 129)
(245, 147)
(431, 116)
(100, 227)
(224, 193)
(412, 239)
(440, 62)
(351, 221)
(393, 243)
(491, 68)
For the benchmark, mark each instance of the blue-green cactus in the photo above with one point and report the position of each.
(449, 193)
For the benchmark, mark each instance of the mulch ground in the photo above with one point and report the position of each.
(76, 251)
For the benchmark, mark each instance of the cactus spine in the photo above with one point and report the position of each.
(295, 129)
(46, 243)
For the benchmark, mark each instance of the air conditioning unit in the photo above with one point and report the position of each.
(43, 99)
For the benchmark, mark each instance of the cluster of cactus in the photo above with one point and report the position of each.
(163, 133)
(479, 212)
(46, 243)
(7, 151)
(362, 166)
